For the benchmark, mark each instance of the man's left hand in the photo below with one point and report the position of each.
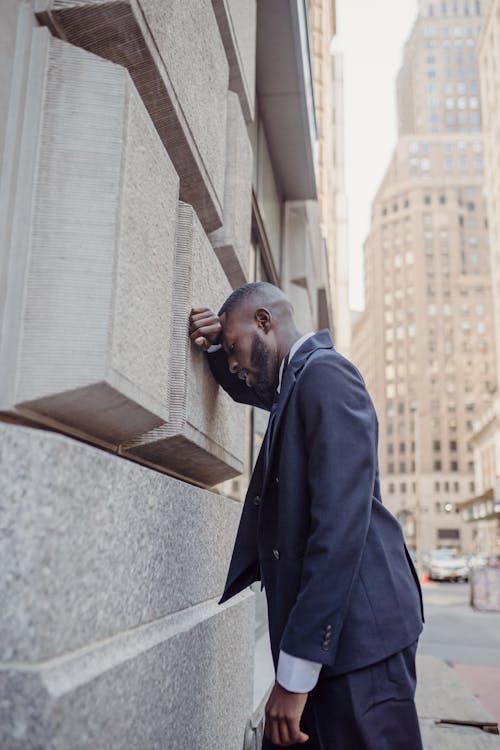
(283, 713)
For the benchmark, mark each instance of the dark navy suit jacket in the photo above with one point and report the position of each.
(341, 587)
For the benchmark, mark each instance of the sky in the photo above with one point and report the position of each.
(371, 34)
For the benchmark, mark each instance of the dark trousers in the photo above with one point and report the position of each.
(370, 709)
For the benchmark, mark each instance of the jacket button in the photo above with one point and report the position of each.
(328, 629)
(277, 480)
(276, 554)
(325, 646)
(256, 500)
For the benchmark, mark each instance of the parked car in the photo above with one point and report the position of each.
(445, 565)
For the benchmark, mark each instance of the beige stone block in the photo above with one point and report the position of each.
(175, 56)
(232, 241)
(88, 309)
(237, 21)
(204, 438)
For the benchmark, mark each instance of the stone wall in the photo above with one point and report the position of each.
(121, 125)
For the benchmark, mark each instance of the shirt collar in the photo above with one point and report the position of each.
(291, 353)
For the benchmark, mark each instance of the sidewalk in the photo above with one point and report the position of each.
(451, 717)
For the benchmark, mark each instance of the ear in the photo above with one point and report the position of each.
(263, 319)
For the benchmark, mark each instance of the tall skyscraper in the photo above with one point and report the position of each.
(430, 360)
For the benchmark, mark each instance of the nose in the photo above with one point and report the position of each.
(233, 365)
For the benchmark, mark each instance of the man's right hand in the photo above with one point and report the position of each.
(204, 327)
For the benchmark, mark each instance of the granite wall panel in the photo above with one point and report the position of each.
(180, 74)
(181, 682)
(92, 544)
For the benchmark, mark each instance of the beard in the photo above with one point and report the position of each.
(265, 374)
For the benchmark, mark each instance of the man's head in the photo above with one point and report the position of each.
(257, 332)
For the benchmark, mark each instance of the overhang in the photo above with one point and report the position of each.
(480, 508)
(285, 94)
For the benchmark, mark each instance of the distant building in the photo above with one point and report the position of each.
(482, 509)
(329, 100)
(425, 341)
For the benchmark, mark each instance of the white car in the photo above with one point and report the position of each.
(446, 566)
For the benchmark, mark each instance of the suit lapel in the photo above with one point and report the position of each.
(321, 340)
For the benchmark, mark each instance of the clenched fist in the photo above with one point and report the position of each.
(204, 327)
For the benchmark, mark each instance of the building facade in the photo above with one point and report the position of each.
(327, 69)
(429, 306)
(153, 159)
(482, 509)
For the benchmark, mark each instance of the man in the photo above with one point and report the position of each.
(344, 602)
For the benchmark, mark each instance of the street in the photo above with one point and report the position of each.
(467, 640)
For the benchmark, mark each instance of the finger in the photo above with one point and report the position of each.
(285, 738)
(275, 732)
(197, 310)
(205, 315)
(206, 331)
(202, 343)
(267, 727)
(210, 320)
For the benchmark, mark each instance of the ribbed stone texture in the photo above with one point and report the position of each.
(92, 544)
(205, 435)
(89, 303)
(237, 21)
(232, 241)
(181, 75)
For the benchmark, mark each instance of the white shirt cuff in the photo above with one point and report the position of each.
(297, 675)
(214, 348)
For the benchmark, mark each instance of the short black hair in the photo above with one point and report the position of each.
(245, 292)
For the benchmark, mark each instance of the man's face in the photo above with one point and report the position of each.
(251, 354)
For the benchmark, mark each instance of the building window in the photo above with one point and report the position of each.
(437, 465)
(453, 465)
(449, 534)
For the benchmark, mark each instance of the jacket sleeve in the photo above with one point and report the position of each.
(237, 389)
(339, 424)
